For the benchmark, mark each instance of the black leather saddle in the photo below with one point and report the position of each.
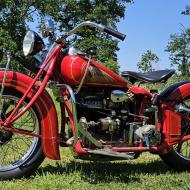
(149, 77)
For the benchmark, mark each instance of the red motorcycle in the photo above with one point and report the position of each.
(103, 116)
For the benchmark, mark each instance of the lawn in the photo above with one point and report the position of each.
(147, 172)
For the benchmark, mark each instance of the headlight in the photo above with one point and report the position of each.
(32, 43)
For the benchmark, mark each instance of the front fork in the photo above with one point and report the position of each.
(50, 60)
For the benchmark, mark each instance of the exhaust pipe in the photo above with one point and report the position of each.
(181, 108)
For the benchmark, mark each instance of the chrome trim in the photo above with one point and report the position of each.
(84, 76)
(5, 72)
(74, 110)
(49, 26)
(83, 130)
(180, 108)
(49, 50)
(110, 153)
(74, 51)
(60, 39)
(119, 96)
(70, 91)
(38, 57)
(87, 23)
(29, 37)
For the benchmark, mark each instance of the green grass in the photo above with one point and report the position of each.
(148, 172)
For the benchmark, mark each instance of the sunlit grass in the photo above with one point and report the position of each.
(148, 172)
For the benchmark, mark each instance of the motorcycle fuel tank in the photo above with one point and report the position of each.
(73, 68)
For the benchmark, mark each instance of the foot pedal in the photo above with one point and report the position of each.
(110, 153)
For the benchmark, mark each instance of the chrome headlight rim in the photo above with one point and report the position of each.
(32, 43)
(28, 43)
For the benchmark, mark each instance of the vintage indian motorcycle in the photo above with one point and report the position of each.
(107, 117)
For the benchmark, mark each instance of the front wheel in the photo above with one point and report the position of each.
(20, 155)
(178, 158)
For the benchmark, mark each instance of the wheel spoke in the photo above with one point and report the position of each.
(183, 148)
(17, 147)
(4, 154)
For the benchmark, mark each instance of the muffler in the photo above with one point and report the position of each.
(180, 108)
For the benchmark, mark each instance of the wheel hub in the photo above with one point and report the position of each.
(5, 136)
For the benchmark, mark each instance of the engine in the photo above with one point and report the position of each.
(105, 112)
(111, 117)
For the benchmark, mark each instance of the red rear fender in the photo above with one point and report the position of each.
(46, 112)
(180, 93)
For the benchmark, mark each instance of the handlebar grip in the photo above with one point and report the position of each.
(114, 33)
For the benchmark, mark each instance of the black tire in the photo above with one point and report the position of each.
(20, 155)
(178, 158)
(175, 161)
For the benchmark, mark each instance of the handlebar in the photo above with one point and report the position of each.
(114, 33)
(95, 25)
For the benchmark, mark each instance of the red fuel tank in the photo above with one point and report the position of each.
(73, 68)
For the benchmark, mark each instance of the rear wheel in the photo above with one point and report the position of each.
(20, 154)
(178, 158)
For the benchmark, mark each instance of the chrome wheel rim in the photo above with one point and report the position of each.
(16, 148)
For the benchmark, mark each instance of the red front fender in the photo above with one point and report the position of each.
(46, 109)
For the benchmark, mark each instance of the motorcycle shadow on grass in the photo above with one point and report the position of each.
(103, 172)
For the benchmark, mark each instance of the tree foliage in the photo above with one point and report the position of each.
(186, 11)
(179, 48)
(14, 15)
(147, 61)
